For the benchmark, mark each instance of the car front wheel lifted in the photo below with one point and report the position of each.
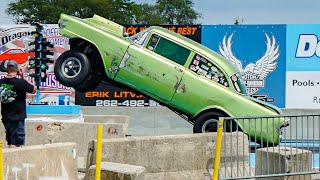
(72, 68)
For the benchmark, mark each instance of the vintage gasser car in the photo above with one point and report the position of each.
(183, 75)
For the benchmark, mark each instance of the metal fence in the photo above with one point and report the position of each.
(263, 147)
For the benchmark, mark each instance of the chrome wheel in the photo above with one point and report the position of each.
(71, 67)
(210, 125)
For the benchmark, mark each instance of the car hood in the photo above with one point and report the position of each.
(106, 25)
(266, 105)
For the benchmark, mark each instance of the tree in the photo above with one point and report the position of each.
(120, 11)
(48, 11)
(146, 14)
(43, 11)
(177, 12)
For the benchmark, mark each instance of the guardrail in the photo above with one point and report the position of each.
(274, 149)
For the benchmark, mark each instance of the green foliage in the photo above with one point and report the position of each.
(177, 11)
(146, 14)
(120, 11)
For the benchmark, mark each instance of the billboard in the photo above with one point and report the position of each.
(108, 95)
(190, 31)
(14, 45)
(258, 51)
(303, 66)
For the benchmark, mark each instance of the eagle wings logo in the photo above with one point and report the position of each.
(253, 74)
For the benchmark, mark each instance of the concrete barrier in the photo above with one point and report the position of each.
(146, 121)
(161, 154)
(108, 119)
(69, 128)
(110, 170)
(281, 160)
(38, 132)
(43, 162)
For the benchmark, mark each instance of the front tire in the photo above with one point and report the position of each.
(207, 122)
(72, 68)
(89, 84)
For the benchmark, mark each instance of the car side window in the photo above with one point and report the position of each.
(204, 67)
(15, 51)
(140, 38)
(168, 49)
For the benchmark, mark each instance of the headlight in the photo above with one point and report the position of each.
(60, 23)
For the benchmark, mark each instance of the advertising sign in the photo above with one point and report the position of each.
(303, 66)
(14, 45)
(191, 31)
(259, 53)
(108, 95)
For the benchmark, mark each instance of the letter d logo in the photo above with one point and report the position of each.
(307, 45)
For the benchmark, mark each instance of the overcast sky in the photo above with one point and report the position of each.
(251, 11)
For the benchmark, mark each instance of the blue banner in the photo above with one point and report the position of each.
(259, 52)
(303, 66)
(303, 52)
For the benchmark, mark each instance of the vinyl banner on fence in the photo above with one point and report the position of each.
(14, 45)
(108, 95)
(258, 51)
(191, 31)
(303, 66)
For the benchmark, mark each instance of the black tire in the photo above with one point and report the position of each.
(3, 67)
(209, 120)
(231, 126)
(72, 68)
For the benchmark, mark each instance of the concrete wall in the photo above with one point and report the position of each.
(110, 170)
(162, 121)
(124, 120)
(146, 120)
(47, 132)
(43, 162)
(171, 153)
(283, 160)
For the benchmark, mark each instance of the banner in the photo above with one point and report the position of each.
(14, 45)
(258, 51)
(303, 66)
(190, 31)
(107, 95)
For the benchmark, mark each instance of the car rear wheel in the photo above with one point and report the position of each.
(72, 68)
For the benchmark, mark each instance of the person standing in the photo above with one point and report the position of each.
(13, 104)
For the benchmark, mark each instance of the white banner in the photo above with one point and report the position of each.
(303, 89)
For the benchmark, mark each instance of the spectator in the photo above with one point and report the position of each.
(13, 104)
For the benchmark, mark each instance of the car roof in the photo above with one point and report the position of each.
(209, 53)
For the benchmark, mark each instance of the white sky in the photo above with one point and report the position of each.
(251, 11)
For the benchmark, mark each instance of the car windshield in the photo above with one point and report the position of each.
(140, 38)
(238, 84)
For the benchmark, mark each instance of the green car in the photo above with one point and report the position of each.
(187, 77)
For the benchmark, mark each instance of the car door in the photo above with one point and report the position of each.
(204, 84)
(156, 68)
